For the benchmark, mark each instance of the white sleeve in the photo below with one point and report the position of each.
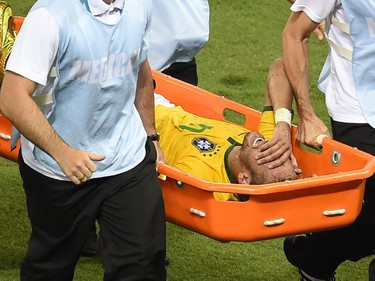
(316, 10)
(35, 48)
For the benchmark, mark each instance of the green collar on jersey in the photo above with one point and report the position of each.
(230, 175)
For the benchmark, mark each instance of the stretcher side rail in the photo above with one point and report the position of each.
(330, 195)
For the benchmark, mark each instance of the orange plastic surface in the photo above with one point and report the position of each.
(330, 195)
(17, 21)
(5, 143)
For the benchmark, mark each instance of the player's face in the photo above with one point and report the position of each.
(261, 174)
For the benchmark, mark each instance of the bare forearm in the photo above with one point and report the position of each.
(21, 110)
(144, 100)
(295, 50)
(145, 104)
(295, 37)
(279, 93)
(296, 69)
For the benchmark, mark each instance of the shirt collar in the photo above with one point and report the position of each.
(98, 7)
(230, 175)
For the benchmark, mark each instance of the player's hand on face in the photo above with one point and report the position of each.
(278, 150)
(78, 165)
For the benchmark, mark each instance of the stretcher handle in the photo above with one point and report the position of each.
(333, 213)
(275, 222)
(197, 212)
(327, 213)
(5, 136)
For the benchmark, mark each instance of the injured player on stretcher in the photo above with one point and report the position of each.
(218, 151)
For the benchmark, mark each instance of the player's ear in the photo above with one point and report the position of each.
(243, 178)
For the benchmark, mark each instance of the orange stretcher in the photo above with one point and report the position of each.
(330, 195)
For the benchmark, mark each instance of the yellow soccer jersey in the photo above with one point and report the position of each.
(197, 145)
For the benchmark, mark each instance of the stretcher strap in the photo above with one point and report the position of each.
(345, 53)
(343, 27)
(53, 72)
(44, 99)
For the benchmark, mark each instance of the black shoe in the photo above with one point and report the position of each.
(91, 248)
(166, 261)
(293, 249)
(293, 246)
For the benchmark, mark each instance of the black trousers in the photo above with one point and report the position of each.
(130, 211)
(323, 252)
(185, 71)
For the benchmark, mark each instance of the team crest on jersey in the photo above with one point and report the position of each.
(204, 145)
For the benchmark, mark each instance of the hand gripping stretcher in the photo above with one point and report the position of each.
(330, 195)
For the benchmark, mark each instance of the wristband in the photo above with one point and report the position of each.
(283, 114)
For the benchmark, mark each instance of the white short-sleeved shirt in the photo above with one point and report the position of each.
(24, 61)
(341, 99)
(34, 61)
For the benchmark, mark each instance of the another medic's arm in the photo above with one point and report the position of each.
(144, 102)
(294, 40)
